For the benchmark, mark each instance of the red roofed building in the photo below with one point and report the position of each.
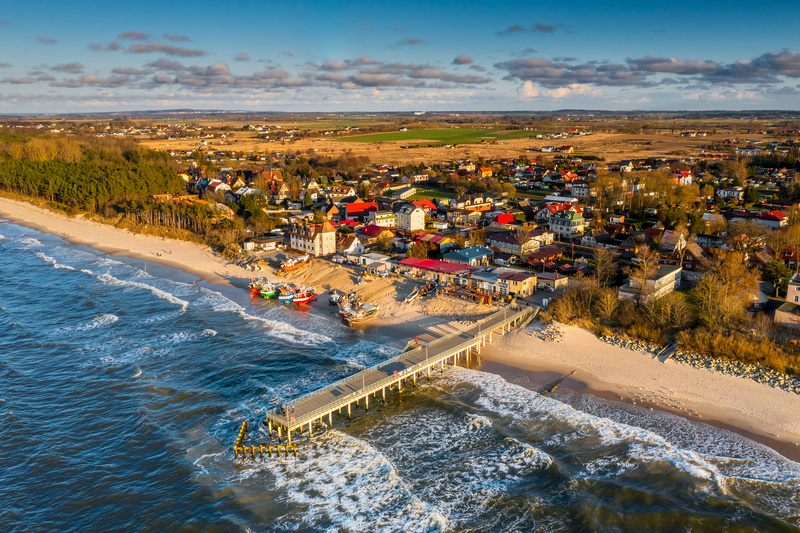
(427, 205)
(504, 218)
(360, 209)
(433, 269)
(772, 220)
(682, 177)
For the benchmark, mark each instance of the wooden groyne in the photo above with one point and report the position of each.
(341, 396)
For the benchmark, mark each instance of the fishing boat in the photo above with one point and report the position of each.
(362, 314)
(305, 296)
(413, 296)
(255, 286)
(269, 290)
(297, 262)
(287, 293)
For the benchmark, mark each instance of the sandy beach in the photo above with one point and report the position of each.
(755, 410)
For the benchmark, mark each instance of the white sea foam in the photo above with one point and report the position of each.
(87, 271)
(52, 261)
(29, 241)
(525, 405)
(178, 337)
(111, 280)
(98, 322)
(209, 333)
(278, 328)
(348, 482)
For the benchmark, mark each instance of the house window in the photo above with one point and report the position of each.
(796, 299)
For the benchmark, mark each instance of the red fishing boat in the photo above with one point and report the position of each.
(305, 296)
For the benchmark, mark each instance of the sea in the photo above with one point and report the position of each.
(123, 385)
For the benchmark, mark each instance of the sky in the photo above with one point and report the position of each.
(319, 56)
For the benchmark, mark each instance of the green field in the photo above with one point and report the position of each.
(429, 194)
(447, 136)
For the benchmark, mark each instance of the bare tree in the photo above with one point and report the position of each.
(605, 264)
(643, 270)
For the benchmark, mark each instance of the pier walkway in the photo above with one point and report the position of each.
(303, 412)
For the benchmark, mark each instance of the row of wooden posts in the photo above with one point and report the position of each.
(253, 450)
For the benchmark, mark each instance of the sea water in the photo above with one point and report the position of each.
(123, 386)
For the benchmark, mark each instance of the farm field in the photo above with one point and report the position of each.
(444, 136)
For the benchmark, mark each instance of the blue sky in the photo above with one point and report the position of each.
(359, 56)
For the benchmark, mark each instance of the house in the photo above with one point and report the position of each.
(337, 194)
(331, 212)
(518, 243)
(596, 237)
(672, 242)
(463, 217)
(544, 214)
(519, 284)
(360, 208)
(485, 172)
(442, 243)
(371, 233)
(731, 192)
(473, 202)
(217, 185)
(788, 314)
(349, 245)
(759, 260)
(662, 282)
(772, 220)
(704, 240)
(472, 255)
(567, 223)
(427, 205)
(682, 177)
(314, 239)
(386, 219)
(411, 218)
(626, 166)
(552, 280)
(580, 189)
(262, 244)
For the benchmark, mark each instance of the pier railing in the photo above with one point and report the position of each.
(509, 314)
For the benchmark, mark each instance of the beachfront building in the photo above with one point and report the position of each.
(314, 239)
(519, 284)
(788, 314)
(665, 280)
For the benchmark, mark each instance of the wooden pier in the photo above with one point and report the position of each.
(341, 396)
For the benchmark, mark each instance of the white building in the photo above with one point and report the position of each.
(384, 219)
(411, 218)
(314, 239)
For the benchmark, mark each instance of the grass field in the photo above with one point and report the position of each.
(430, 194)
(448, 136)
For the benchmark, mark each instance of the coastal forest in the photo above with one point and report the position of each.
(86, 173)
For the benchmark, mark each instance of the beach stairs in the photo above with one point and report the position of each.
(527, 320)
(240, 450)
(667, 352)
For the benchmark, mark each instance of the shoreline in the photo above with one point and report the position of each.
(755, 411)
